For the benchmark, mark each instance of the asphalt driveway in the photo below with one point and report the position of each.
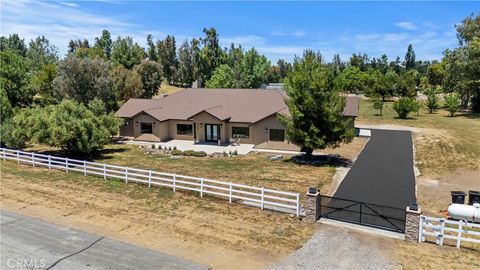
(383, 173)
(29, 243)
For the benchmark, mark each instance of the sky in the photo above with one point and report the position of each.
(275, 29)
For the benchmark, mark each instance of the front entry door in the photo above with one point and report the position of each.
(212, 133)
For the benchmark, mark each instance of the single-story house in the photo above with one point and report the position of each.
(214, 115)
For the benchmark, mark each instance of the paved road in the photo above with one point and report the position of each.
(29, 243)
(383, 173)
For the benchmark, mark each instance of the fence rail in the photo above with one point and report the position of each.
(277, 200)
(441, 229)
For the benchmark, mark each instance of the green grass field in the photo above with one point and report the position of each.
(446, 143)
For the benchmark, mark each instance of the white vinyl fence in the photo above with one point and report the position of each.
(277, 200)
(441, 229)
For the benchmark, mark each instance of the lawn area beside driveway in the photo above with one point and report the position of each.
(254, 169)
(447, 151)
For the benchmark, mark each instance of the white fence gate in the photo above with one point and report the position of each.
(441, 229)
(277, 200)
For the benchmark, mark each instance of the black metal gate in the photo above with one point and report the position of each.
(368, 214)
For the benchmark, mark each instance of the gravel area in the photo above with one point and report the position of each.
(339, 248)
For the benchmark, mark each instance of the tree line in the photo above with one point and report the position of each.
(105, 74)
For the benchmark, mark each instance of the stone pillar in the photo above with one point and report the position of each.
(412, 223)
(312, 206)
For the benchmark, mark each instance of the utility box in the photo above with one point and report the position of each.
(473, 197)
(458, 197)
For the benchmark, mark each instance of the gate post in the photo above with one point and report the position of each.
(412, 223)
(312, 206)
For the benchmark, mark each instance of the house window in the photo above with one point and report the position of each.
(184, 129)
(146, 128)
(277, 135)
(240, 132)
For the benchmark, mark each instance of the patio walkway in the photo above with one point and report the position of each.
(208, 148)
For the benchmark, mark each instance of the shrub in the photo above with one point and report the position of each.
(176, 152)
(404, 106)
(169, 148)
(153, 146)
(200, 154)
(189, 153)
(432, 100)
(452, 103)
(174, 148)
(235, 152)
(159, 147)
(378, 105)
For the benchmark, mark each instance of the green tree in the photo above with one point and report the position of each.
(404, 106)
(469, 29)
(151, 75)
(104, 43)
(92, 53)
(254, 68)
(351, 80)
(188, 63)
(436, 73)
(13, 42)
(68, 125)
(410, 58)
(315, 119)
(127, 53)
(211, 54)
(432, 99)
(378, 105)
(83, 80)
(151, 50)
(222, 78)
(452, 103)
(284, 68)
(14, 78)
(41, 83)
(6, 110)
(126, 83)
(40, 52)
(167, 56)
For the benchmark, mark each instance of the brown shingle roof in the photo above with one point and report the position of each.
(240, 105)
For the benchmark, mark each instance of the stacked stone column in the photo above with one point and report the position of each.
(312, 207)
(412, 224)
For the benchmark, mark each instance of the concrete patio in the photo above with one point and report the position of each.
(208, 148)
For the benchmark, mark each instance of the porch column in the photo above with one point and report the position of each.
(312, 206)
(412, 223)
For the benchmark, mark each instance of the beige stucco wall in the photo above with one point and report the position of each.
(172, 130)
(248, 140)
(127, 128)
(159, 129)
(206, 118)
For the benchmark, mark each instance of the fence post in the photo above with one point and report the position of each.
(49, 163)
(412, 223)
(230, 194)
(126, 175)
(84, 168)
(18, 157)
(459, 235)
(33, 160)
(420, 230)
(263, 199)
(66, 164)
(312, 209)
(442, 231)
(3, 154)
(149, 178)
(298, 204)
(201, 188)
(174, 179)
(104, 172)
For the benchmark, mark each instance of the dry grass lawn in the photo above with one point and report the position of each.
(210, 231)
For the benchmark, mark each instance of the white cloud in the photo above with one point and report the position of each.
(69, 4)
(364, 37)
(406, 25)
(298, 33)
(394, 37)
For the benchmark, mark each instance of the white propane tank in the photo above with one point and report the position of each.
(465, 212)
